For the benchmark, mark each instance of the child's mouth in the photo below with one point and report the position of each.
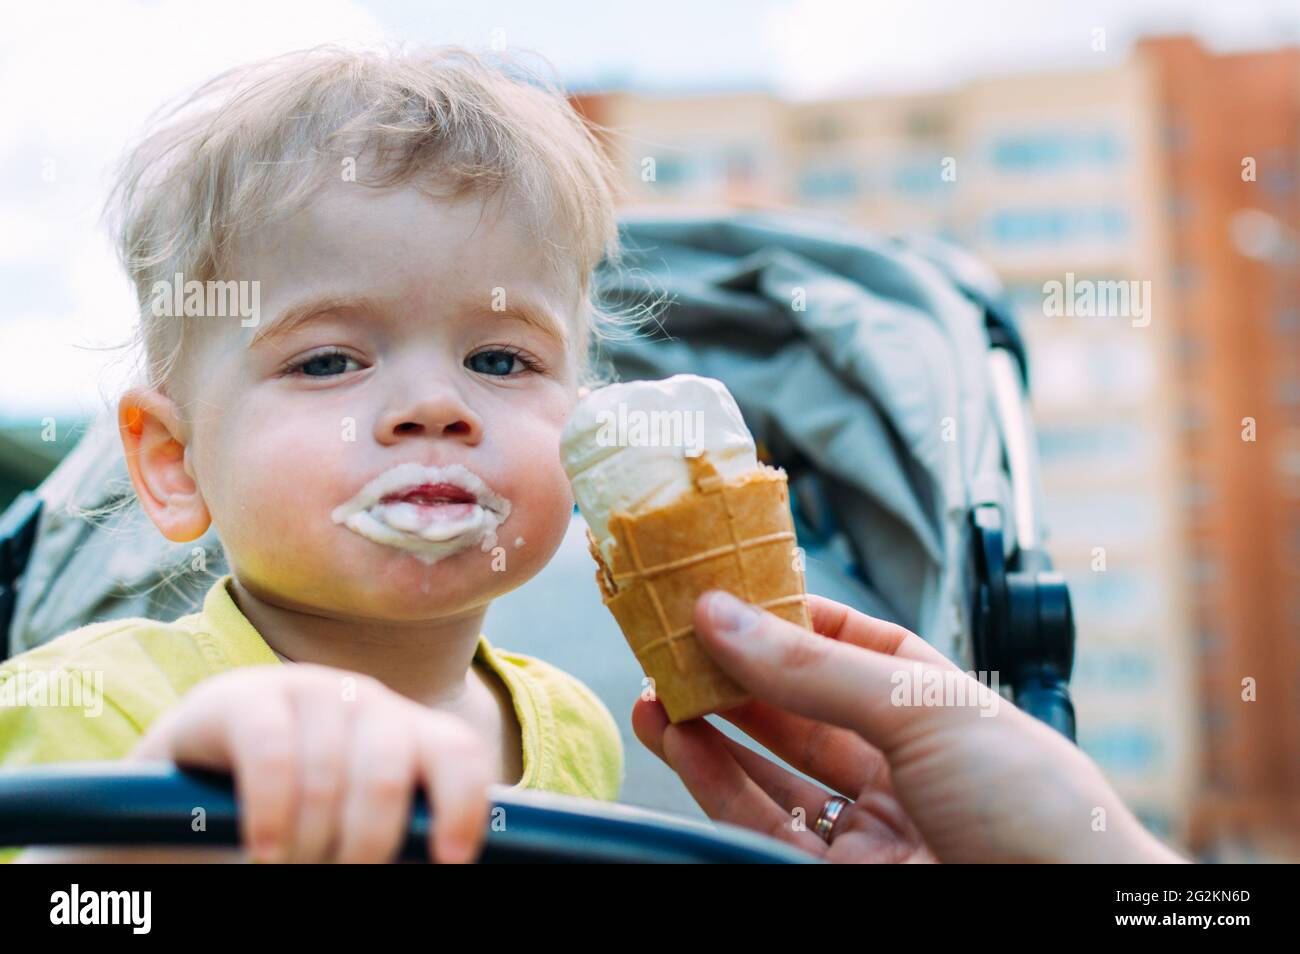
(434, 502)
(431, 512)
(430, 494)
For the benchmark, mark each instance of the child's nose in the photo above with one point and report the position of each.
(437, 413)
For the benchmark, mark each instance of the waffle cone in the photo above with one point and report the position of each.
(732, 535)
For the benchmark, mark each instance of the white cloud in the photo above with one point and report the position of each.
(823, 47)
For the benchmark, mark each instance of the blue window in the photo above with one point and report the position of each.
(1122, 748)
(1112, 222)
(920, 178)
(670, 171)
(834, 182)
(1053, 151)
(1057, 226)
(1123, 669)
(1074, 444)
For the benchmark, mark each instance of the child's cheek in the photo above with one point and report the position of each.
(283, 474)
(543, 501)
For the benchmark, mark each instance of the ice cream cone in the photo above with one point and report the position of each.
(735, 535)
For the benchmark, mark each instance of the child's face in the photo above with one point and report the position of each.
(424, 363)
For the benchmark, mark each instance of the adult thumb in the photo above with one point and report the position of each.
(813, 675)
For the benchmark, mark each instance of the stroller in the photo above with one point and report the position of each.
(887, 378)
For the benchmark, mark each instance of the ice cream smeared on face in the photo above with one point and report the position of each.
(625, 446)
(431, 512)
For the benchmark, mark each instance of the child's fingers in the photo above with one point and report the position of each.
(252, 737)
(380, 782)
(264, 769)
(323, 732)
(156, 743)
(454, 766)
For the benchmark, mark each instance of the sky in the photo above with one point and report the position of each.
(78, 81)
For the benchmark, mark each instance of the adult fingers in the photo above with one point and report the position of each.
(835, 680)
(721, 785)
(836, 757)
(840, 622)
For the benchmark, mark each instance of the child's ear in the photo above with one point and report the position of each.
(153, 438)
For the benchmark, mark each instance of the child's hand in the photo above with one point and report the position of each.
(326, 762)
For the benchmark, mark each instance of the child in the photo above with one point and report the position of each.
(364, 284)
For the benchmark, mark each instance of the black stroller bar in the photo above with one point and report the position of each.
(1023, 624)
(137, 803)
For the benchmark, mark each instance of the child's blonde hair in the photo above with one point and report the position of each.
(258, 141)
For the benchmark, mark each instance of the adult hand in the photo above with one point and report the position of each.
(975, 781)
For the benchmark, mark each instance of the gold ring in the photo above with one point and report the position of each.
(830, 813)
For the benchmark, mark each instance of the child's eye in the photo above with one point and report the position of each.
(326, 364)
(499, 362)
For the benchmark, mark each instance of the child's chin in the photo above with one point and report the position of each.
(404, 587)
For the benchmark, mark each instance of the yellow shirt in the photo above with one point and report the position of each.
(114, 678)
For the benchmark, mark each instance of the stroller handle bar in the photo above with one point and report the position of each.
(1018, 441)
(158, 804)
(1023, 622)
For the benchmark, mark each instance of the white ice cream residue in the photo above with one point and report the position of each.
(422, 530)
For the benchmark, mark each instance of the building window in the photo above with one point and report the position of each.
(1102, 518)
(1188, 346)
(670, 171)
(821, 129)
(1288, 465)
(1205, 571)
(1278, 182)
(1192, 418)
(926, 124)
(1197, 494)
(1209, 642)
(1181, 207)
(1057, 226)
(1040, 152)
(740, 164)
(1127, 749)
(1117, 595)
(1213, 720)
(828, 182)
(920, 178)
(1074, 445)
(1177, 137)
(1116, 670)
(1185, 276)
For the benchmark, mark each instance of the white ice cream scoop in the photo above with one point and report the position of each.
(625, 446)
